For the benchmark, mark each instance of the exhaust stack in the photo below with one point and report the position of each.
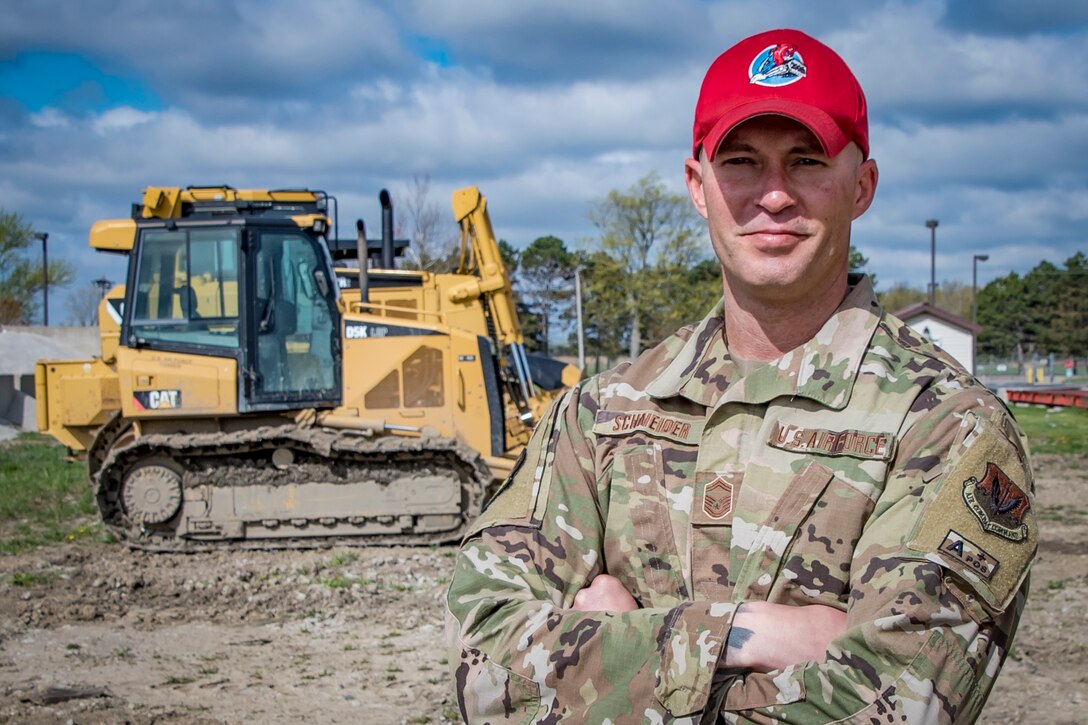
(387, 229)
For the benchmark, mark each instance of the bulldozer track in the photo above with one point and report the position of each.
(216, 462)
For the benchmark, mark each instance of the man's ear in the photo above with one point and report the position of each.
(867, 179)
(693, 175)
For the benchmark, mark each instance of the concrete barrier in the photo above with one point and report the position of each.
(17, 404)
(20, 347)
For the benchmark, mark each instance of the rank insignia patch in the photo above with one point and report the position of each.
(997, 503)
(718, 499)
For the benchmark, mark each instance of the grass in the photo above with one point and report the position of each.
(338, 581)
(1063, 431)
(30, 578)
(343, 558)
(44, 499)
(1070, 515)
(175, 681)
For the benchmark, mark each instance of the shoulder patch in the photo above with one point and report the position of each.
(516, 498)
(981, 523)
(673, 426)
(999, 504)
(512, 503)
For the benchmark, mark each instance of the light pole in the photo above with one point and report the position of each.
(974, 306)
(931, 224)
(578, 312)
(103, 286)
(974, 284)
(44, 236)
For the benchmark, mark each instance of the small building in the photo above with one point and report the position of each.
(950, 332)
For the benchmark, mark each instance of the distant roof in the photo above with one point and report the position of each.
(920, 309)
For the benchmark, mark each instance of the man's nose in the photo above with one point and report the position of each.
(776, 192)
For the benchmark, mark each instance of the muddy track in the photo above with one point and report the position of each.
(195, 468)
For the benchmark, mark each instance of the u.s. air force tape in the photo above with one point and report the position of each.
(872, 445)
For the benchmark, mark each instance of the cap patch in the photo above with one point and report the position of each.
(777, 65)
(997, 503)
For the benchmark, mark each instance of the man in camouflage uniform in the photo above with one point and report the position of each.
(796, 510)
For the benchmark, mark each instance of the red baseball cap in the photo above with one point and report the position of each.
(785, 73)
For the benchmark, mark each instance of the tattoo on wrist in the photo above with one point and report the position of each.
(738, 637)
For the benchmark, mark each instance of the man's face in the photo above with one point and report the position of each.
(780, 209)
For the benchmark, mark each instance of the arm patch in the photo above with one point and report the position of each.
(981, 521)
(516, 499)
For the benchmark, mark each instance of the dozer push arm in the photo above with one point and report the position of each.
(480, 256)
(492, 280)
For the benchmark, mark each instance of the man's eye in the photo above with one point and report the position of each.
(808, 161)
(736, 161)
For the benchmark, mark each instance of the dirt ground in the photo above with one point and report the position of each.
(94, 633)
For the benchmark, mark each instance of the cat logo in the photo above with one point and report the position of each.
(157, 399)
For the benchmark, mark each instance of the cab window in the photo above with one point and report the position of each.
(293, 318)
(187, 288)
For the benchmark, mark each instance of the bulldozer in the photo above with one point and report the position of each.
(265, 384)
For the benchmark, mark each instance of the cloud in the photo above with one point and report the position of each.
(913, 68)
(49, 118)
(195, 53)
(1015, 17)
(535, 42)
(546, 106)
(120, 119)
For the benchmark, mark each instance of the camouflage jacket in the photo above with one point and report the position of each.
(864, 470)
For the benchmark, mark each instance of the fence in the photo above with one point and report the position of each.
(1037, 370)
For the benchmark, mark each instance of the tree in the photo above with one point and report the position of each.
(1002, 315)
(603, 306)
(952, 296)
(900, 295)
(955, 297)
(21, 279)
(858, 262)
(1070, 323)
(633, 228)
(686, 293)
(543, 277)
(510, 255)
(83, 305)
(1042, 312)
(433, 237)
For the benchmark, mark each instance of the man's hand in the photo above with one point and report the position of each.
(764, 636)
(604, 594)
(769, 636)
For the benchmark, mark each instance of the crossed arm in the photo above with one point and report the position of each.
(764, 636)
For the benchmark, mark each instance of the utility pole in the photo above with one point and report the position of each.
(974, 284)
(44, 236)
(578, 313)
(974, 306)
(931, 224)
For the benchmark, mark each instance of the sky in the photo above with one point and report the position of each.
(978, 112)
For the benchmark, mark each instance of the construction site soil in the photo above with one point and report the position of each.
(96, 633)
